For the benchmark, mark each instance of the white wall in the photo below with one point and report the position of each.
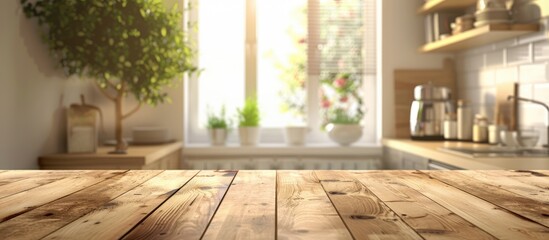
(33, 93)
(402, 33)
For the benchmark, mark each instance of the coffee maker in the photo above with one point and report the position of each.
(430, 106)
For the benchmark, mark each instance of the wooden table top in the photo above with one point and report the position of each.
(183, 204)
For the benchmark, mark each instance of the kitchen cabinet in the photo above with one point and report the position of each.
(284, 163)
(397, 159)
(166, 156)
(475, 37)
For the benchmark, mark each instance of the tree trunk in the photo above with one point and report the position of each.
(121, 144)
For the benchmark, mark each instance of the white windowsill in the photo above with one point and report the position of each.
(282, 150)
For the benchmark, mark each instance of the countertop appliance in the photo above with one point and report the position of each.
(428, 111)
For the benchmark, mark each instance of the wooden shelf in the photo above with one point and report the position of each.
(437, 5)
(479, 36)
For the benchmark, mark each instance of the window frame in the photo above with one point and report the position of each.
(195, 133)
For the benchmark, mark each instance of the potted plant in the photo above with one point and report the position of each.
(129, 48)
(218, 127)
(343, 128)
(248, 123)
(342, 106)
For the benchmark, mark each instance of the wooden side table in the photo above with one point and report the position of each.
(166, 156)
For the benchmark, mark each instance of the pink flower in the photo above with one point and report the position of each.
(344, 99)
(326, 103)
(340, 82)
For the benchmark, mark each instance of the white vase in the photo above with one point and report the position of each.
(344, 134)
(249, 136)
(218, 136)
(295, 135)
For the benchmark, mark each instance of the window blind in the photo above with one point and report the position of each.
(341, 37)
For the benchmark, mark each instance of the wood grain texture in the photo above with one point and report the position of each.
(532, 209)
(25, 201)
(425, 216)
(15, 176)
(29, 183)
(514, 185)
(246, 210)
(44, 220)
(533, 178)
(275, 205)
(487, 216)
(115, 218)
(304, 211)
(188, 212)
(363, 213)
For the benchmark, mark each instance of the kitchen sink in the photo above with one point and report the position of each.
(497, 152)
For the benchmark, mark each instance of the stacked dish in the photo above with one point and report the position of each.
(491, 11)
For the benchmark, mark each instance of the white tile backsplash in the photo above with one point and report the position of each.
(518, 55)
(534, 73)
(507, 74)
(541, 92)
(487, 78)
(526, 90)
(541, 50)
(494, 59)
(524, 60)
(473, 62)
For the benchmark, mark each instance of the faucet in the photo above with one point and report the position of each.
(510, 97)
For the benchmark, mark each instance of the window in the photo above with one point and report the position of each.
(287, 53)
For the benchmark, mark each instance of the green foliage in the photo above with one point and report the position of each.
(218, 121)
(128, 46)
(249, 115)
(341, 116)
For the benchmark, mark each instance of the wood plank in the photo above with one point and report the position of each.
(425, 216)
(438, 5)
(533, 178)
(247, 210)
(27, 184)
(494, 178)
(363, 213)
(25, 201)
(13, 176)
(113, 219)
(487, 216)
(42, 221)
(532, 209)
(304, 210)
(187, 213)
(490, 33)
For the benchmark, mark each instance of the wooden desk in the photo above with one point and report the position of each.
(274, 204)
(166, 156)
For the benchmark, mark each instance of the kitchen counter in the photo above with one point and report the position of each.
(154, 204)
(431, 150)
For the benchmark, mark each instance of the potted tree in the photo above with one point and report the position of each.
(127, 47)
(218, 127)
(248, 123)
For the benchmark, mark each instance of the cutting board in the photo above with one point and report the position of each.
(407, 79)
(506, 111)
